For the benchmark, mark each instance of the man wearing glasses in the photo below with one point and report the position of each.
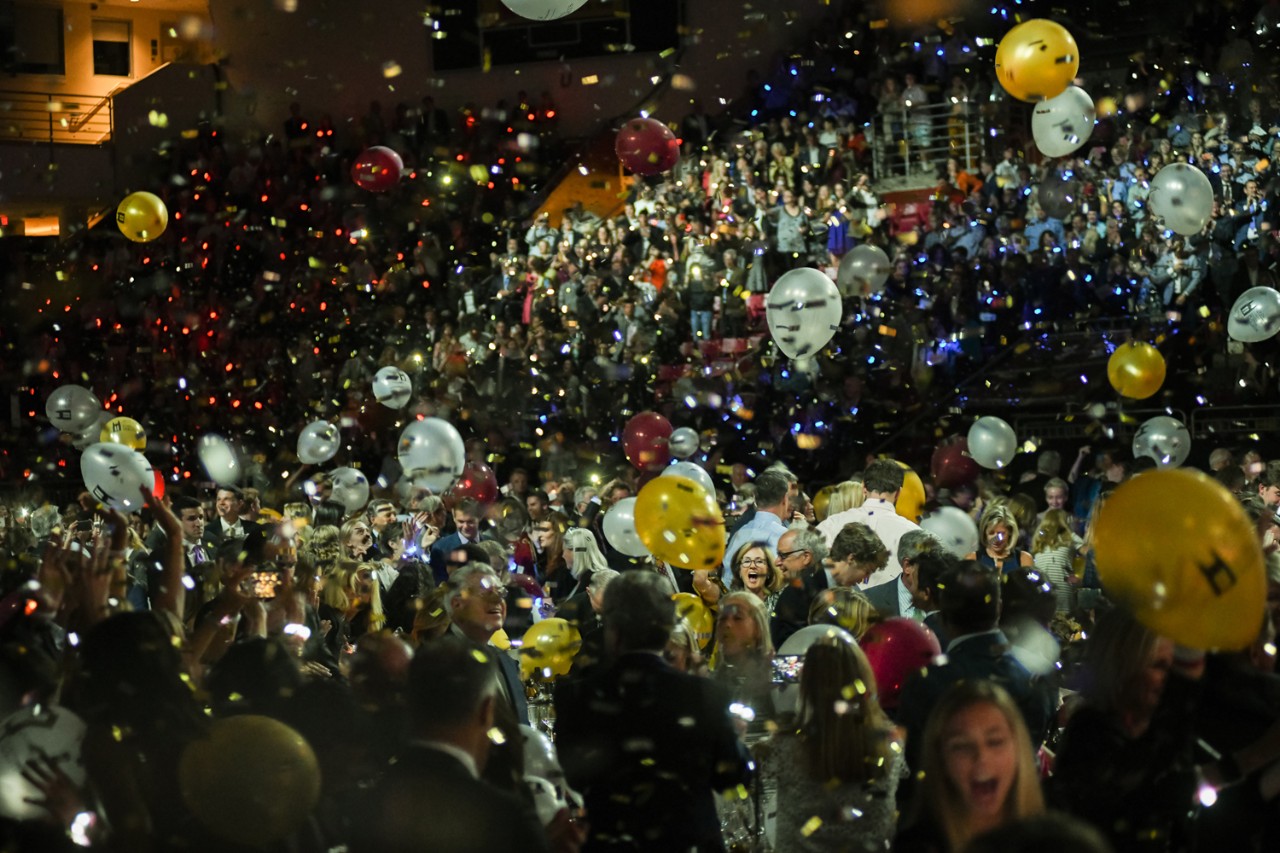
(801, 554)
(477, 608)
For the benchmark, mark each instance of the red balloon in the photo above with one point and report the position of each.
(158, 488)
(896, 648)
(377, 169)
(646, 146)
(645, 441)
(527, 584)
(477, 482)
(952, 466)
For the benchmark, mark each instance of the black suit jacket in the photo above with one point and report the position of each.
(429, 801)
(646, 745)
(791, 612)
(884, 598)
(213, 530)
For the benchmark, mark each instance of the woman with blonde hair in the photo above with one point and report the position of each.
(1053, 548)
(998, 541)
(844, 606)
(847, 495)
(841, 760)
(742, 660)
(356, 538)
(978, 770)
(351, 601)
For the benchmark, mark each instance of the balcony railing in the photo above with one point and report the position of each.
(48, 117)
(913, 143)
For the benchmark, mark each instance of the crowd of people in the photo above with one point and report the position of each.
(388, 637)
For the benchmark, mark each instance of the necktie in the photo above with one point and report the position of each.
(197, 555)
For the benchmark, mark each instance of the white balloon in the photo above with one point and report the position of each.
(1062, 124)
(1255, 316)
(350, 488)
(683, 442)
(432, 453)
(953, 527)
(115, 475)
(863, 271)
(693, 472)
(620, 528)
(1182, 196)
(318, 442)
(73, 408)
(1164, 439)
(992, 442)
(392, 387)
(803, 311)
(547, 800)
(47, 731)
(544, 10)
(219, 459)
(799, 642)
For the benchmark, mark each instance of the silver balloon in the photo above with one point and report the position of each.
(620, 529)
(1062, 124)
(350, 488)
(863, 271)
(219, 459)
(544, 10)
(694, 472)
(683, 442)
(115, 475)
(1255, 316)
(392, 387)
(799, 642)
(992, 442)
(42, 731)
(1059, 195)
(1164, 439)
(432, 450)
(803, 311)
(1182, 196)
(73, 408)
(318, 442)
(953, 527)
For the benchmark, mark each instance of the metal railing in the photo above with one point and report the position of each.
(914, 142)
(50, 117)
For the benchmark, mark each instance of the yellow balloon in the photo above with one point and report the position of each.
(694, 610)
(1136, 369)
(1037, 60)
(124, 431)
(911, 498)
(1176, 548)
(821, 501)
(680, 523)
(252, 780)
(142, 216)
(548, 648)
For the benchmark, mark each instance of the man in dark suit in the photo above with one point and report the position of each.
(898, 596)
(466, 518)
(645, 743)
(433, 798)
(978, 650)
(801, 556)
(199, 550)
(229, 503)
(477, 603)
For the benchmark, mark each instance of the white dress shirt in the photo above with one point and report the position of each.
(880, 516)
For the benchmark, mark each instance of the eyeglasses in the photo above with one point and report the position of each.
(783, 555)
(491, 591)
(755, 561)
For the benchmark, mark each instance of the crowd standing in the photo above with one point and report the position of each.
(389, 638)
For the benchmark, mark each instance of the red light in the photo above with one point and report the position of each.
(551, 113)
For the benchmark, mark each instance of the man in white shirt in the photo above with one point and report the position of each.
(882, 481)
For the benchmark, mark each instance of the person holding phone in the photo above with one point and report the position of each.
(840, 760)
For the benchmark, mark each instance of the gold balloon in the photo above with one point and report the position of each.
(1176, 548)
(124, 431)
(680, 523)
(1037, 60)
(821, 501)
(252, 780)
(548, 648)
(1136, 370)
(692, 609)
(142, 217)
(911, 498)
